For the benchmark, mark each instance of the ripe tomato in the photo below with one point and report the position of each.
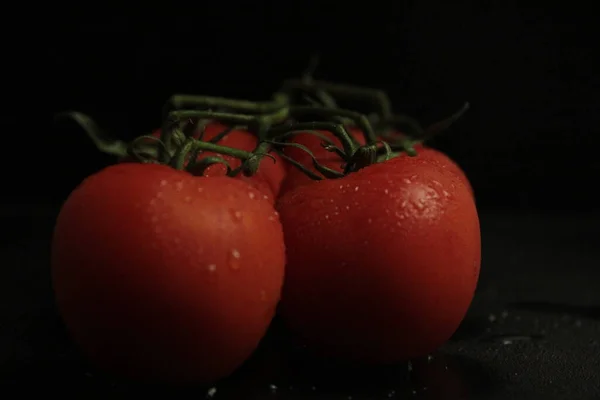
(382, 264)
(443, 161)
(161, 275)
(436, 156)
(294, 177)
(271, 173)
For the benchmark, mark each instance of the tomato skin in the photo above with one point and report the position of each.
(294, 177)
(160, 275)
(382, 265)
(443, 161)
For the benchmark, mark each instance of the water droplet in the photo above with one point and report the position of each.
(163, 183)
(211, 267)
(179, 186)
(271, 218)
(356, 189)
(406, 180)
(236, 215)
(276, 213)
(369, 220)
(437, 183)
(491, 317)
(152, 202)
(404, 203)
(391, 393)
(273, 388)
(504, 314)
(200, 190)
(429, 358)
(265, 197)
(326, 216)
(187, 199)
(347, 207)
(234, 260)
(446, 194)
(341, 186)
(399, 224)
(251, 195)
(159, 195)
(211, 392)
(386, 191)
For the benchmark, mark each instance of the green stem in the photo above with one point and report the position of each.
(195, 146)
(338, 130)
(377, 97)
(180, 101)
(103, 142)
(260, 123)
(361, 120)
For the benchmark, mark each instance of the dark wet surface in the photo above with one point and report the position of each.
(533, 330)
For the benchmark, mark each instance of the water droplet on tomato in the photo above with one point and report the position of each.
(271, 218)
(326, 216)
(386, 191)
(211, 267)
(251, 195)
(152, 202)
(356, 189)
(236, 215)
(163, 183)
(369, 221)
(179, 186)
(200, 190)
(234, 260)
(187, 199)
(446, 194)
(347, 207)
(406, 180)
(159, 195)
(399, 223)
(265, 197)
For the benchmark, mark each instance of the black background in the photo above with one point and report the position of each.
(527, 143)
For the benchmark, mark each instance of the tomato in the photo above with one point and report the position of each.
(294, 177)
(382, 264)
(443, 161)
(160, 275)
(271, 173)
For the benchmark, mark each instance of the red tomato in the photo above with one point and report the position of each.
(382, 264)
(161, 275)
(443, 161)
(269, 177)
(294, 177)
